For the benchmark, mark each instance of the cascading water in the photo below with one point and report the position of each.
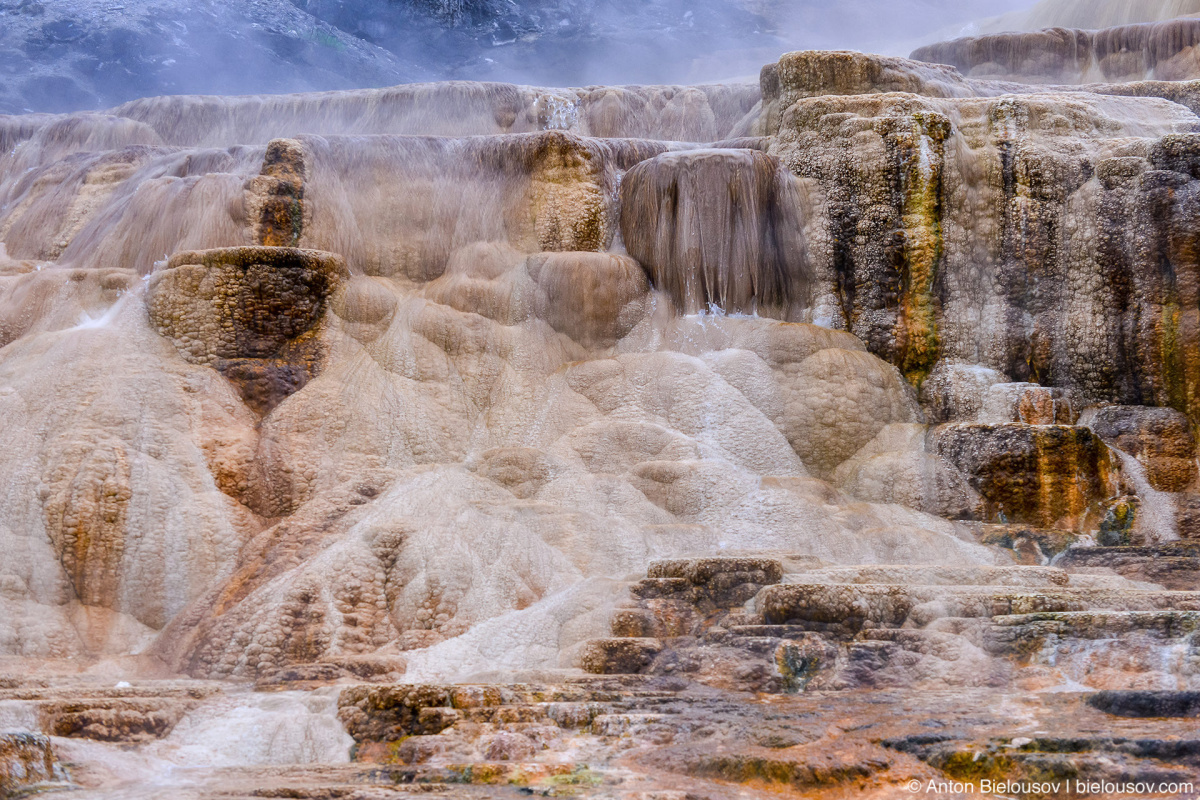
(247, 729)
(622, 439)
(1155, 521)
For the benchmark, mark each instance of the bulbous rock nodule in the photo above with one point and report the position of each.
(240, 302)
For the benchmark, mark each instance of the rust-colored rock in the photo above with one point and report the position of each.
(901, 256)
(819, 73)
(619, 656)
(275, 197)
(1160, 439)
(26, 760)
(393, 712)
(1051, 476)
(241, 302)
(722, 582)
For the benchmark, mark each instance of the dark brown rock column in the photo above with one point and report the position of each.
(1050, 476)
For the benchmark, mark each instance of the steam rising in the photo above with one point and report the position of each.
(71, 55)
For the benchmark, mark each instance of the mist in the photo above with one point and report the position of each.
(69, 55)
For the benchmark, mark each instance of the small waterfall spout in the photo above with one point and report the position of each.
(1156, 517)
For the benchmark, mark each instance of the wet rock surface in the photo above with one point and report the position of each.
(692, 742)
(717, 229)
(1174, 566)
(810, 437)
(842, 628)
(241, 302)
(1050, 476)
(636, 738)
(249, 312)
(26, 760)
(1160, 439)
(683, 738)
(902, 269)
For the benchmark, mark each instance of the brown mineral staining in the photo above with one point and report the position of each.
(619, 656)
(1055, 55)
(1160, 438)
(820, 73)
(249, 312)
(1044, 475)
(26, 760)
(87, 518)
(241, 302)
(750, 448)
(569, 213)
(829, 628)
(1175, 566)
(708, 582)
(549, 191)
(905, 264)
(275, 197)
(121, 720)
(595, 298)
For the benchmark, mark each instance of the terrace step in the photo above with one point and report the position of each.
(1020, 633)
(1174, 566)
(849, 607)
(725, 582)
(936, 575)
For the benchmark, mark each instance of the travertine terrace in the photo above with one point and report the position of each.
(812, 435)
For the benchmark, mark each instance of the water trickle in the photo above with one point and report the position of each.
(106, 318)
(558, 113)
(1156, 515)
(253, 729)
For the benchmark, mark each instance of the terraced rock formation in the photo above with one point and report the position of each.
(352, 422)
(1089, 14)
(1159, 51)
(754, 623)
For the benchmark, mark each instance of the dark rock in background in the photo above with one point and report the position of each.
(1147, 704)
(82, 54)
